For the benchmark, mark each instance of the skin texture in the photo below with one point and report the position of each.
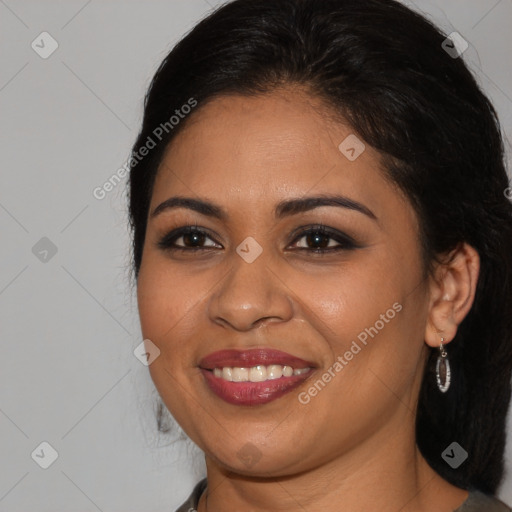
(246, 154)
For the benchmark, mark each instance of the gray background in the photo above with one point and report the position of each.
(69, 320)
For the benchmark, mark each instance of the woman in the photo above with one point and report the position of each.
(322, 246)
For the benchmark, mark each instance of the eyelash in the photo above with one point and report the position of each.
(346, 243)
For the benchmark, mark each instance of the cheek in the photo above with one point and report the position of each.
(168, 302)
(367, 315)
(370, 325)
(338, 300)
(344, 300)
(168, 298)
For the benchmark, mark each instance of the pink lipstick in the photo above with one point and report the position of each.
(253, 377)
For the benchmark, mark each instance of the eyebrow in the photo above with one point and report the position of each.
(283, 209)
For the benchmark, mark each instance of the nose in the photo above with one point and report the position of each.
(250, 295)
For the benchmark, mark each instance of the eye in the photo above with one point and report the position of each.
(191, 238)
(318, 239)
(321, 239)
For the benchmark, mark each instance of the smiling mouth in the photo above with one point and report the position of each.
(253, 377)
(253, 393)
(259, 373)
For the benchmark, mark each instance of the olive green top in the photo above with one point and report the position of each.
(475, 502)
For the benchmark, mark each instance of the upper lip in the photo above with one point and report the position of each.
(250, 358)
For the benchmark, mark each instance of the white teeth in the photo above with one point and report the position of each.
(287, 371)
(258, 373)
(226, 374)
(274, 371)
(240, 374)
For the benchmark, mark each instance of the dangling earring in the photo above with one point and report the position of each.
(443, 372)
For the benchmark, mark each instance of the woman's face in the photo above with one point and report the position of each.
(355, 315)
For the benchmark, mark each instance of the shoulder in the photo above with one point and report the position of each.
(476, 501)
(191, 504)
(479, 502)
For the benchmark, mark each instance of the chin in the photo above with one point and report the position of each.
(249, 460)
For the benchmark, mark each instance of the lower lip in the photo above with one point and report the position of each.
(252, 393)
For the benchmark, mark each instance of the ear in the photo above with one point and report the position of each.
(452, 291)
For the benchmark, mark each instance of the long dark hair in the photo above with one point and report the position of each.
(383, 68)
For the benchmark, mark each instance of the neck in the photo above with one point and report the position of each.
(386, 473)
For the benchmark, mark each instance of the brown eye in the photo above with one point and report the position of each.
(322, 239)
(191, 238)
(318, 240)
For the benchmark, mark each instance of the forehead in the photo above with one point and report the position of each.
(239, 149)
